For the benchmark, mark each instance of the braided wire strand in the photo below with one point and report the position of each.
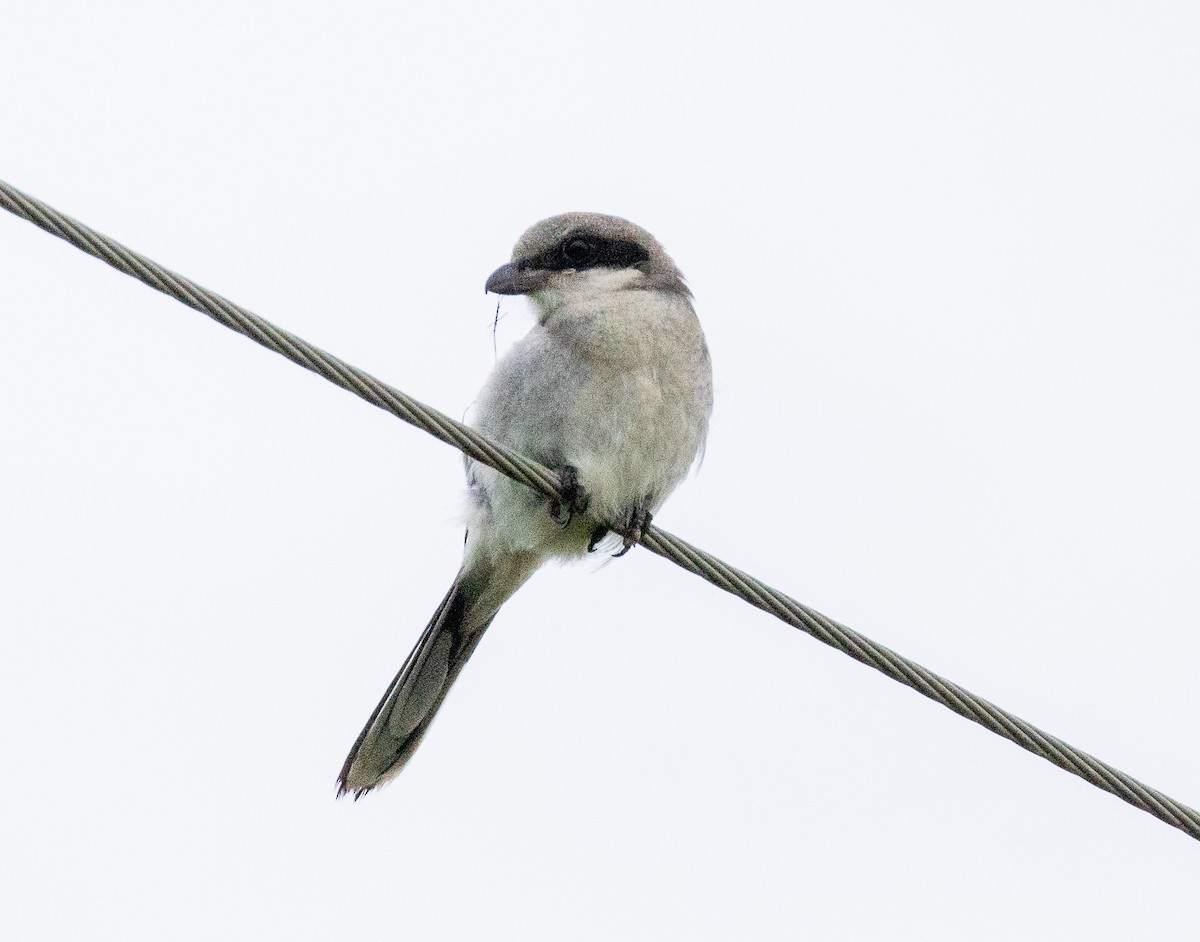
(658, 541)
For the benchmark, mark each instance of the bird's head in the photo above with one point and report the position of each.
(576, 256)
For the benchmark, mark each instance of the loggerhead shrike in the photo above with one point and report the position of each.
(612, 387)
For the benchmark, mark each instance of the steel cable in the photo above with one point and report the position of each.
(665, 544)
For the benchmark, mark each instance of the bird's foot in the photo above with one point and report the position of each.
(636, 523)
(574, 498)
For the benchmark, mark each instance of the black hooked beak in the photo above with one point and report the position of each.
(512, 279)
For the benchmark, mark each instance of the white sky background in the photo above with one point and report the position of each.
(946, 258)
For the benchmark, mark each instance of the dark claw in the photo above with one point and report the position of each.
(635, 526)
(597, 535)
(574, 498)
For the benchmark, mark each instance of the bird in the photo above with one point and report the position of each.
(612, 388)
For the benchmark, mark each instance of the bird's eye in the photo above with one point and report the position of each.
(577, 252)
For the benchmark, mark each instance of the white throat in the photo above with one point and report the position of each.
(589, 289)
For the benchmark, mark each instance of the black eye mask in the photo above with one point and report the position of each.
(582, 252)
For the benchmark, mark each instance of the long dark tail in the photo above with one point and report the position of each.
(399, 723)
(412, 700)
